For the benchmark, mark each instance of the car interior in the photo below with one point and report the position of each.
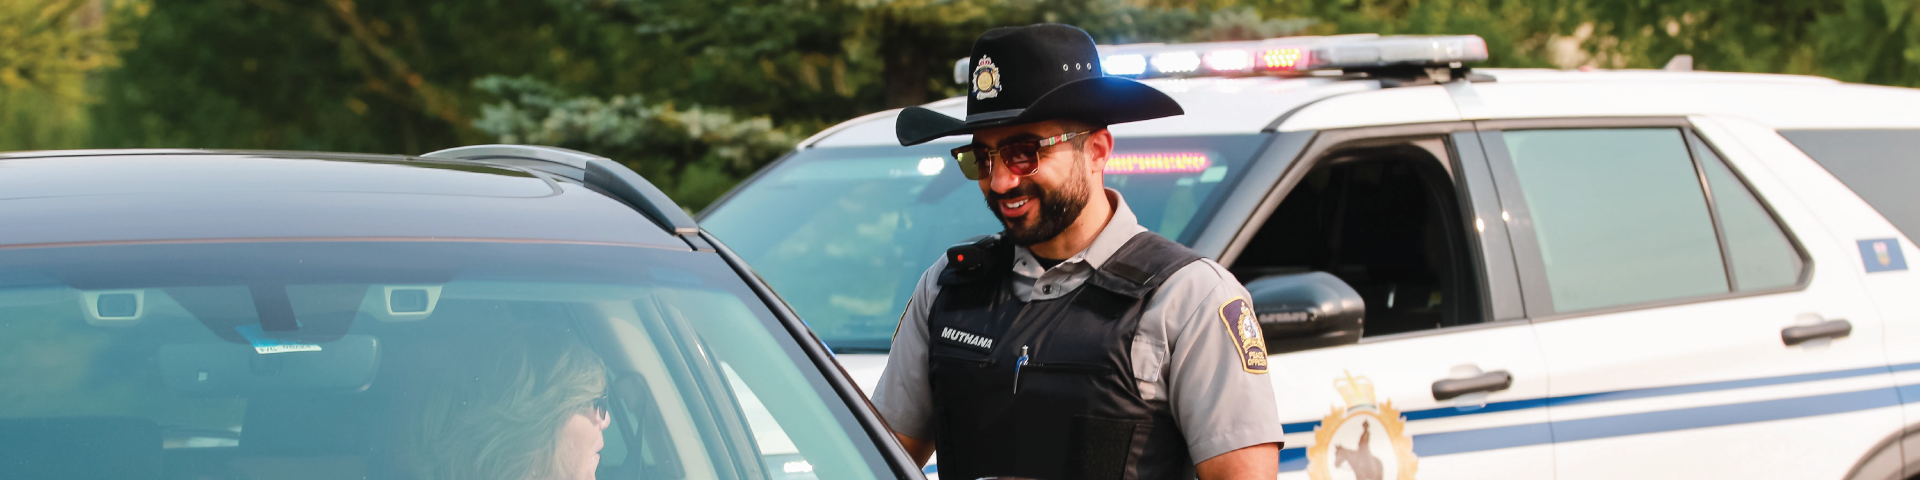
(1384, 217)
(341, 411)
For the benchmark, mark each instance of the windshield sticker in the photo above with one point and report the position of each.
(265, 345)
(1882, 255)
(1183, 162)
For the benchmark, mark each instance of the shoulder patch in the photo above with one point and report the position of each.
(1237, 315)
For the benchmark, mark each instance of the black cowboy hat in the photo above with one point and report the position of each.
(1035, 73)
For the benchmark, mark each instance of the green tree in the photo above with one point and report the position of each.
(801, 65)
(47, 50)
(1519, 33)
(694, 154)
(1867, 41)
(826, 60)
(390, 77)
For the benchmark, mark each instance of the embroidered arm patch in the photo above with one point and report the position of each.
(1249, 344)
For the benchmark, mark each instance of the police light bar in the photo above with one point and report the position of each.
(1403, 50)
(1283, 56)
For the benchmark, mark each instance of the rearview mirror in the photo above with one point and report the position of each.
(1305, 311)
(222, 369)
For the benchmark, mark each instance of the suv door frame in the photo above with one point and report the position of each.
(1290, 157)
(1282, 167)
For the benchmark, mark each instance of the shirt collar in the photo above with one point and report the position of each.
(1120, 229)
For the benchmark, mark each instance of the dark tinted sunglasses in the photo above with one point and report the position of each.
(1022, 158)
(602, 407)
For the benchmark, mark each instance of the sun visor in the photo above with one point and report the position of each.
(227, 369)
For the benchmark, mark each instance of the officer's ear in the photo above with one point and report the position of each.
(1099, 147)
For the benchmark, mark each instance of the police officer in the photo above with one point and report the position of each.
(1074, 344)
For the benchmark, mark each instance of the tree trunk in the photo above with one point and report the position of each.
(905, 73)
(904, 62)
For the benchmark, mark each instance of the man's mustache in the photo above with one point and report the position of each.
(1024, 190)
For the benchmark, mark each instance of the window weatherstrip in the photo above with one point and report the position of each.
(1713, 210)
(1806, 259)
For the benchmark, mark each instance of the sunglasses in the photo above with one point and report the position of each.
(1022, 158)
(601, 407)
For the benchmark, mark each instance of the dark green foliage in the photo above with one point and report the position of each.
(388, 77)
(693, 154)
(695, 94)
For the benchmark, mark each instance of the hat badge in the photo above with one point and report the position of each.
(986, 79)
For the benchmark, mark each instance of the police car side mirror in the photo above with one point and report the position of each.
(1304, 311)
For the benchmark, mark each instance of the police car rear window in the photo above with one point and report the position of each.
(1879, 165)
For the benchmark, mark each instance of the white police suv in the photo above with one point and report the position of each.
(1466, 273)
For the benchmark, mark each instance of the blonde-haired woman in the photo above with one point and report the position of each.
(521, 403)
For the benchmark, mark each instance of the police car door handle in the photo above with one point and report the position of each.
(1836, 328)
(1493, 381)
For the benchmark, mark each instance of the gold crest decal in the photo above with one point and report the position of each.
(986, 79)
(1237, 314)
(1363, 441)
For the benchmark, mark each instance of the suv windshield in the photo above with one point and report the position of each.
(844, 233)
(405, 360)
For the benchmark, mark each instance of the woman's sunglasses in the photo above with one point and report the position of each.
(1022, 158)
(601, 407)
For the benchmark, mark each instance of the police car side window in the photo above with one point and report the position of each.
(1762, 255)
(1619, 215)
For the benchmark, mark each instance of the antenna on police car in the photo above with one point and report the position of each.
(1679, 63)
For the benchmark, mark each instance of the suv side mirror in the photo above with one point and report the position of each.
(1304, 311)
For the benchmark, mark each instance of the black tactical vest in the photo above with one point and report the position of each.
(1076, 412)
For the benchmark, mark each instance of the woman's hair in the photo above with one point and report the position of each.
(494, 403)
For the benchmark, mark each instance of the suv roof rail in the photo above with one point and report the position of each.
(594, 171)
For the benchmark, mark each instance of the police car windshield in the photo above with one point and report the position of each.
(844, 233)
(405, 360)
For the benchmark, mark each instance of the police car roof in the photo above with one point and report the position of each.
(1223, 106)
(110, 196)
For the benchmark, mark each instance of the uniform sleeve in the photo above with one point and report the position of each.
(1220, 395)
(904, 397)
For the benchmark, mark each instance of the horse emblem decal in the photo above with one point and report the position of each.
(1363, 440)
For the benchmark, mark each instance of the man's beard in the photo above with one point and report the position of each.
(1058, 210)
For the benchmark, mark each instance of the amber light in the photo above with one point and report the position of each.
(1284, 59)
(1157, 163)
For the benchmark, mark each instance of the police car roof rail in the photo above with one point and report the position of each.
(594, 171)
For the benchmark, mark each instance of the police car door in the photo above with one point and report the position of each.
(1688, 333)
(1446, 380)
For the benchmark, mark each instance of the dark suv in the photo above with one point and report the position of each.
(503, 312)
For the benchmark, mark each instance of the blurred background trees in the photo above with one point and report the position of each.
(47, 50)
(696, 94)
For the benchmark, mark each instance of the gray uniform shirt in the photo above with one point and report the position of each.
(1185, 353)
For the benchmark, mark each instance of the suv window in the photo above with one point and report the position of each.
(1386, 220)
(1619, 215)
(1622, 216)
(1878, 165)
(1761, 254)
